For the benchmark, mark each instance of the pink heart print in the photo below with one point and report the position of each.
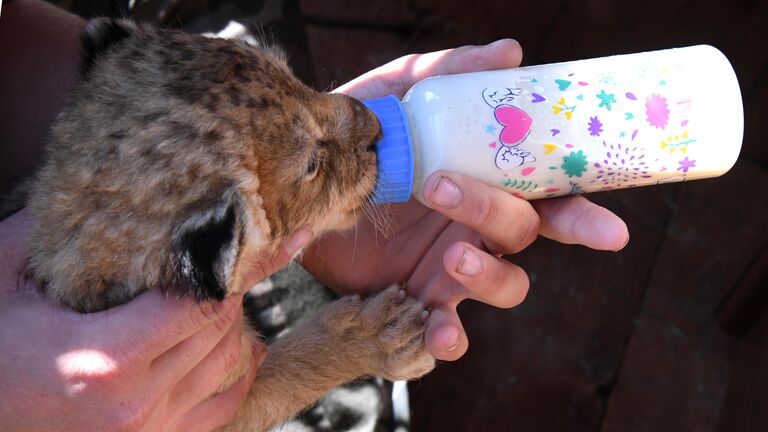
(516, 122)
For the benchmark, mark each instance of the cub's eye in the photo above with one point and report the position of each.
(312, 166)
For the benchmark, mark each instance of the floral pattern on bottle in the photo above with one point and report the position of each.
(630, 117)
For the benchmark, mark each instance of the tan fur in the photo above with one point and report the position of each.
(169, 129)
(379, 336)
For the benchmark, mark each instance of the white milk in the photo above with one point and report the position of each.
(565, 128)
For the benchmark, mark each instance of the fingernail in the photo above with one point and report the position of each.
(297, 241)
(497, 42)
(445, 193)
(626, 242)
(500, 42)
(454, 346)
(470, 264)
(455, 343)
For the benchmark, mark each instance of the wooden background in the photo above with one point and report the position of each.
(628, 341)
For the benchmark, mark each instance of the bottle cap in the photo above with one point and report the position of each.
(394, 152)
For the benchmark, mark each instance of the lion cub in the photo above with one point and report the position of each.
(176, 161)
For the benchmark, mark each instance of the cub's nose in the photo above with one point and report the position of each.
(372, 139)
(366, 129)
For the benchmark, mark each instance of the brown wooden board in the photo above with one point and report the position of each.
(341, 54)
(484, 20)
(360, 14)
(746, 402)
(549, 364)
(676, 368)
(755, 145)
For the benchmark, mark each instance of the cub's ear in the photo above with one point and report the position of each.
(206, 248)
(98, 36)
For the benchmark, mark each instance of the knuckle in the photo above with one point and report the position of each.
(200, 314)
(230, 353)
(403, 62)
(528, 231)
(532, 231)
(581, 218)
(224, 324)
(485, 212)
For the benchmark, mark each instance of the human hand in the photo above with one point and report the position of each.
(449, 252)
(154, 363)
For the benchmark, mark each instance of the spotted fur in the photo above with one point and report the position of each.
(177, 162)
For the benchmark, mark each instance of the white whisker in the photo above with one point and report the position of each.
(379, 215)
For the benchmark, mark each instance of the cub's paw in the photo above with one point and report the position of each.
(396, 324)
(383, 335)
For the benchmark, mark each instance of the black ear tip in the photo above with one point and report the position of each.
(97, 37)
(205, 248)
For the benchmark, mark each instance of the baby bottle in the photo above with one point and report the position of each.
(566, 128)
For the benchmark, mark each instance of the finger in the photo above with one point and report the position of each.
(445, 338)
(399, 75)
(485, 277)
(508, 222)
(207, 377)
(152, 324)
(219, 409)
(166, 322)
(219, 341)
(576, 220)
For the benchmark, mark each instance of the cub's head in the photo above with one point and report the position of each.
(199, 151)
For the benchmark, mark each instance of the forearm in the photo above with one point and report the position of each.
(39, 54)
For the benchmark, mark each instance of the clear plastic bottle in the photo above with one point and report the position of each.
(551, 130)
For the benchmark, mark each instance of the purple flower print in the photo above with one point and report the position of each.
(595, 127)
(622, 166)
(686, 164)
